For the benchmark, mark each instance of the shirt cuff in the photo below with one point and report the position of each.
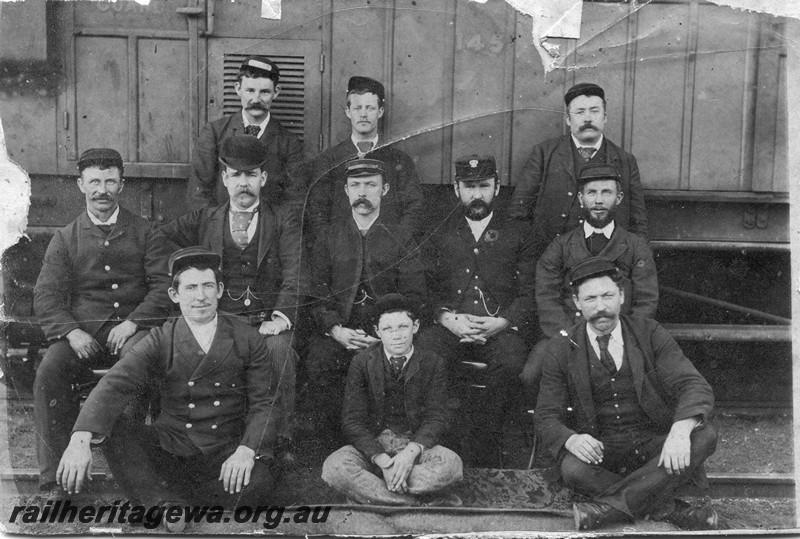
(284, 317)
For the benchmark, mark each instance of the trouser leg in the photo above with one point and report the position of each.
(436, 469)
(285, 359)
(327, 362)
(349, 472)
(207, 489)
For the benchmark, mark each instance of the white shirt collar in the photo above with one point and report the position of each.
(355, 142)
(111, 220)
(261, 126)
(606, 231)
(375, 216)
(478, 227)
(251, 209)
(579, 144)
(616, 333)
(388, 355)
(203, 333)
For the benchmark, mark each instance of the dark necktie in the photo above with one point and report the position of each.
(252, 130)
(586, 152)
(397, 365)
(240, 222)
(596, 243)
(105, 229)
(605, 356)
(364, 146)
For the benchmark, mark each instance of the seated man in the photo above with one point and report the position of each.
(212, 442)
(599, 194)
(624, 412)
(395, 458)
(355, 261)
(480, 272)
(103, 284)
(263, 267)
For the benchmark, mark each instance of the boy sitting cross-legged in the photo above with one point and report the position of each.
(394, 413)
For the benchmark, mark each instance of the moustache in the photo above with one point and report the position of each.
(256, 106)
(363, 202)
(102, 197)
(601, 314)
(584, 127)
(245, 191)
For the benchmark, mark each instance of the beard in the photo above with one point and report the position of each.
(477, 210)
(602, 222)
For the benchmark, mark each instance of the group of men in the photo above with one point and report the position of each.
(553, 296)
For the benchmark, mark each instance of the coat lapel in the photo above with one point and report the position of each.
(579, 371)
(216, 229)
(614, 248)
(635, 359)
(221, 349)
(412, 368)
(375, 373)
(266, 229)
(564, 156)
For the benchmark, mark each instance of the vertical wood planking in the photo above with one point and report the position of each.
(133, 100)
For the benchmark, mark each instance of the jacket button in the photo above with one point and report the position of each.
(216, 384)
(213, 427)
(114, 286)
(459, 291)
(467, 270)
(216, 403)
(105, 243)
(476, 250)
(191, 405)
(569, 193)
(116, 304)
(190, 384)
(577, 313)
(107, 268)
(476, 302)
(563, 215)
(188, 425)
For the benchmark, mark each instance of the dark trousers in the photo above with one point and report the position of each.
(285, 360)
(504, 355)
(150, 474)
(56, 401)
(629, 479)
(327, 363)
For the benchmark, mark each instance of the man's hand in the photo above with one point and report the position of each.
(83, 344)
(352, 339)
(273, 327)
(462, 326)
(489, 326)
(235, 472)
(118, 336)
(76, 463)
(585, 447)
(401, 468)
(677, 447)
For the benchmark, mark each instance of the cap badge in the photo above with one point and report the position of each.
(260, 65)
(473, 163)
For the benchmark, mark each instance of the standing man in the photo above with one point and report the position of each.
(481, 269)
(402, 205)
(395, 414)
(257, 87)
(263, 267)
(103, 284)
(546, 190)
(623, 411)
(599, 197)
(356, 260)
(212, 442)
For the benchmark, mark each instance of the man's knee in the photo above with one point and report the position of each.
(574, 471)
(704, 440)
(58, 361)
(282, 346)
(339, 467)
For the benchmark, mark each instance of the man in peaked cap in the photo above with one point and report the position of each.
(326, 202)
(264, 269)
(480, 269)
(103, 284)
(212, 441)
(546, 190)
(355, 262)
(623, 411)
(257, 87)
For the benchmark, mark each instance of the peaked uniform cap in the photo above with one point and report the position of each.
(263, 65)
(584, 88)
(473, 168)
(184, 257)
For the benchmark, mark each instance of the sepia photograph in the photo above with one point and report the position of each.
(466, 268)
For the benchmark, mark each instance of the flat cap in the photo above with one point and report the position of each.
(597, 171)
(360, 85)
(365, 167)
(188, 255)
(595, 266)
(583, 88)
(263, 65)
(389, 303)
(104, 157)
(243, 152)
(473, 168)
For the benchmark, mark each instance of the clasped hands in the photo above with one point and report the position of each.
(470, 328)
(397, 469)
(85, 346)
(351, 339)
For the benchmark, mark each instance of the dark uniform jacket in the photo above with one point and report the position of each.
(327, 201)
(338, 263)
(546, 190)
(504, 258)
(363, 412)
(283, 275)
(88, 278)
(207, 400)
(205, 186)
(667, 385)
(629, 252)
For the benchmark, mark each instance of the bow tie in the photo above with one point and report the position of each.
(252, 130)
